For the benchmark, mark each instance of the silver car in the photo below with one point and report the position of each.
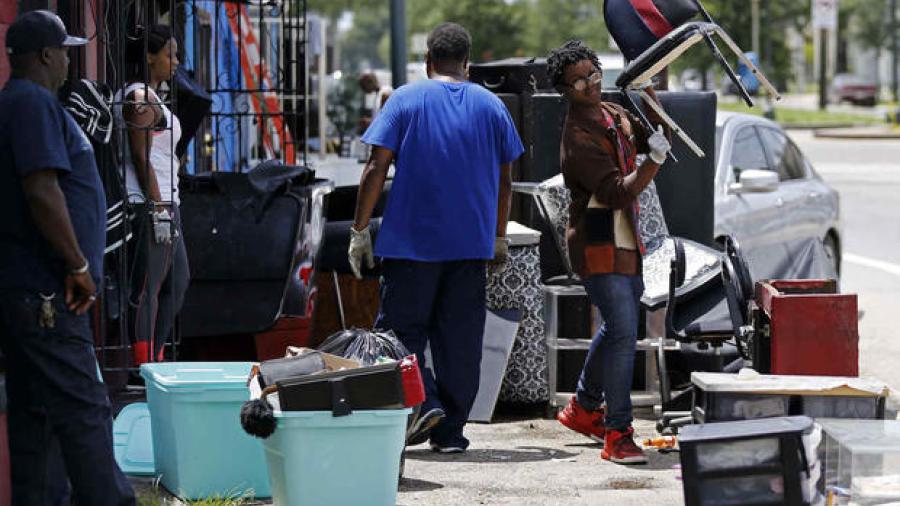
(767, 192)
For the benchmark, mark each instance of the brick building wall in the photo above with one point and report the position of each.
(7, 15)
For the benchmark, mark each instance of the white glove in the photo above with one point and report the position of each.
(501, 256)
(162, 227)
(659, 146)
(360, 248)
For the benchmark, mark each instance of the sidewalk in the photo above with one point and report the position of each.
(522, 462)
(537, 462)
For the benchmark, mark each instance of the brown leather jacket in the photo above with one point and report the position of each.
(602, 235)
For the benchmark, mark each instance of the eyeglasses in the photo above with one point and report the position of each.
(582, 84)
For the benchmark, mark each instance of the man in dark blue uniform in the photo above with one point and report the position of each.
(51, 258)
(453, 144)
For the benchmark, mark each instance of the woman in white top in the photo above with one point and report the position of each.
(160, 276)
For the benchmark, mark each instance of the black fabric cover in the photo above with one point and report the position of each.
(512, 75)
(192, 104)
(241, 247)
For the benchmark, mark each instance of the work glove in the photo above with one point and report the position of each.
(360, 249)
(501, 255)
(162, 226)
(659, 146)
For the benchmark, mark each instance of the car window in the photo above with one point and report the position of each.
(786, 158)
(747, 152)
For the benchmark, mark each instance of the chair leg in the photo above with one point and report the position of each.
(677, 130)
(643, 117)
(665, 392)
(731, 75)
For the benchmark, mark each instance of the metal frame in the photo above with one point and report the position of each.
(269, 101)
(703, 31)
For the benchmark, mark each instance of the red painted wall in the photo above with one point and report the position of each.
(7, 15)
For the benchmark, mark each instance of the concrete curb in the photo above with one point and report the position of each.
(867, 133)
(816, 126)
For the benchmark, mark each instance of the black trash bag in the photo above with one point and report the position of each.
(364, 346)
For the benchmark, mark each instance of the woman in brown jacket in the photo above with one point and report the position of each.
(600, 143)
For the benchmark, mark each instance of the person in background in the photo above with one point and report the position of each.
(370, 86)
(598, 151)
(51, 265)
(161, 274)
(453, 143)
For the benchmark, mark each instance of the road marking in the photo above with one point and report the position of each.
(881, 265)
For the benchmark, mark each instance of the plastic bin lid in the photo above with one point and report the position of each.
(133, 440)
(864, 436)
(208, 375)
(745, 429)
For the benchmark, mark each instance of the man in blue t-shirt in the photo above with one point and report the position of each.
(453, 144)
(51, 263)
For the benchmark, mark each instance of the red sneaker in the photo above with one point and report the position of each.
(621, 448)
(589, 423)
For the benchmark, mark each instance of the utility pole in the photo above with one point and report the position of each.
(754, 15)
(823, 68)
(894, 49)
(398, 42)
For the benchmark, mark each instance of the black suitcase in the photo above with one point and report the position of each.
(512, 75)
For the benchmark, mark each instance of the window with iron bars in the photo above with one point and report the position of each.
(247, 57)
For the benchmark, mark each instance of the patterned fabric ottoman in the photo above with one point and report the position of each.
(519, 287)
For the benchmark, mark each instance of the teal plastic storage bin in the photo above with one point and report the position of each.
(199, 446)
(316, 459)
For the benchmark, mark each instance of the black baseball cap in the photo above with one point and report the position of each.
(35, 30)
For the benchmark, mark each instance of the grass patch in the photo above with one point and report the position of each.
(155, 497)
(790, 116)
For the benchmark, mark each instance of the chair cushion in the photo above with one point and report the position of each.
(668, 47)
(637, 24)
(716, 327)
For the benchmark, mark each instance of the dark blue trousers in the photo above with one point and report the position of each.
(441, 304)
(60, 423)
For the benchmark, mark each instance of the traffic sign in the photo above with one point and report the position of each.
(825, 14)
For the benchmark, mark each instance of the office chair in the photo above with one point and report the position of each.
(713, 334)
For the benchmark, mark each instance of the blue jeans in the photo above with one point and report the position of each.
(609, 366)
(60, 422)
(441, 304)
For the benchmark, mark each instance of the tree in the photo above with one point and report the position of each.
(777, 17)
(495, 25)
(366, 44)
(571, 19)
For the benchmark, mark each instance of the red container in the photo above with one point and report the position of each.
(5, 499)
(813, 329)
(288, 331)
(413, 387)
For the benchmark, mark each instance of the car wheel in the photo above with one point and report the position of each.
(831, 249)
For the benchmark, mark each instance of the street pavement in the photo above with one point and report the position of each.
(533, 461)
(867, 175)
(537, 462)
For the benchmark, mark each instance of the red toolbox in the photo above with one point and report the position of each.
(806, 327)
(288, 331)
